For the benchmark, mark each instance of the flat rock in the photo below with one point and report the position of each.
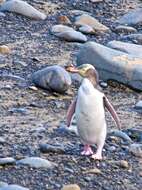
(129, 48)
(71, 187)
(3, 184)
(46, 148)
(112, 64)
(23, 8)
(13, 187)
(136, 150)
(67, 33)
(125, 29)
(86, 19)
(36, 162)
(131, 18)
(7, 160)
(135, 38)
(54, 78)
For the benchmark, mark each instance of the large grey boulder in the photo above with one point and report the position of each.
(112, 64)
(23, 8)
(131, 18)
(129, 48)
(54, 78)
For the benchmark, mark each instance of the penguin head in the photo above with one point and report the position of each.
(86, 71)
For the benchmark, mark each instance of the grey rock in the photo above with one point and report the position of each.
(54, 78)
(18, 110)
(121, 135)
(76, 78)
(131, 18)
(39, 130)
(135, 38)
(45, 148)
(129, 48)
(136, 149)
(112, 64)
(125, 29)
(36, 162)
(2, 140)
(135, 133)
(7, 160)
(13, 187)
(23, 8)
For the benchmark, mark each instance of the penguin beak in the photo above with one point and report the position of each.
(71, 68)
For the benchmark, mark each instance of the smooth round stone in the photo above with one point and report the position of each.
(135, 38)
(13, 187)
(2, 14)
(103, 84)
(7, 160)
(53, 78)
(59, 28)
(36, 162)
(139, 105)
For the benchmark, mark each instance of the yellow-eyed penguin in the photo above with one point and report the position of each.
(89, 111)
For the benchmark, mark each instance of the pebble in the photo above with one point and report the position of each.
(96, 1)
(124, 164)
(36, 162)
(5, 49)
(53, 78)
(112, 64)
(18, 110)
(23, 8)
(2, 14)
(135, 133)
(103, 84)
(71, 187)
(13, 187)
(125, 29)
(86, 19)
(136, 149)
(129, 48)
(119, 163)
(46, 148)
(7, 160)
(59, 28)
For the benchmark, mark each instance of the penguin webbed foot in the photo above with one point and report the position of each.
(87, 150)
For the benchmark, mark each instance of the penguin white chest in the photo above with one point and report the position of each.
(90, 115)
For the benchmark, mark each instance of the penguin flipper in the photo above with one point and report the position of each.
(71, 111)
(112, 111)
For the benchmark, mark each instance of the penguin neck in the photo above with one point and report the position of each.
(92, 76)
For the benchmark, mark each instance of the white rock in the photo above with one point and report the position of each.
(7, 160)
(139, 105)
(23, 8)
(36, 162)
(60, 28)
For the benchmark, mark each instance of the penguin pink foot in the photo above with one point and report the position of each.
(87, 150)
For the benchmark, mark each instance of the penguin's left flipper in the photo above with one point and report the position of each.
(112, 111)
(71, 111)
